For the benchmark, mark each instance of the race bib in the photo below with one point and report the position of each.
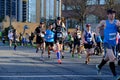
(42, 35)
(78, 36)
(112, 36)
(59, 35)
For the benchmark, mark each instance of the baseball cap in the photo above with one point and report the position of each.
(58, 18)
(88, 25)
(41, 22)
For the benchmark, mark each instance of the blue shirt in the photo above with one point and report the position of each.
(110, 33)
(49, 36)
(98, 39)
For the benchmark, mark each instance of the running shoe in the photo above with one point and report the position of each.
(72, 55)
(86, 62)
(98, 70)
(59, 61)
(79, 56)
(49, 56)
(62, 57)
(41, 59)
(37, 50)
(116, 77)
(15, 47)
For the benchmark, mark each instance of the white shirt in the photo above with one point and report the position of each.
(10, 36)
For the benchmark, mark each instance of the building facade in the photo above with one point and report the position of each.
(30, 10)
(15, 9)
(44, 9)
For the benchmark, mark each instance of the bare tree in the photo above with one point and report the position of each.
(109, 4)
(80, 8)
(113, 4)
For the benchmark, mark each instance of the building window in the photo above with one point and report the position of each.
(32, 10)
(102, 1)
(69, 8)
(63, 7)
(42, 8)
(91, 19)
(92, 2)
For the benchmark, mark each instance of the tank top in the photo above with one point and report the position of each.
(58, 31)
(77, 36)
(88, 37)
(110, 33)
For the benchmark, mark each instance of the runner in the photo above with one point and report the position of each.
(49, 39)
(70, 41)
(77, 42)
(10, 36)
(59, 35)
(15, 36)
(40, 38)
(110, 33)
(88, 40)
(98, 41)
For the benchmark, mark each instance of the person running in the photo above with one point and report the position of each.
(59, 36)
(49, 39)
(110, 33)
(70, 41)
(40, 38)
(77, 42)
(89, 41)
(31, 38)
(10, 36)
(98, 41)
(15, 38)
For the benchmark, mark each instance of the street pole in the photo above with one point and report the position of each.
(49, 12)
(58, 8)
(10, 13)
(67, 23)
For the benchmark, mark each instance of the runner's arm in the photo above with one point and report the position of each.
(117, 23)
(100, 25)
(83, 38)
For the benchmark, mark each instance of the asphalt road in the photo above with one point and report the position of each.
(25, 64)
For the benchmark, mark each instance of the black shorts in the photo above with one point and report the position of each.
(88, 46)
(51, 44)
(76, 44)
(39, 40)
(60, 40)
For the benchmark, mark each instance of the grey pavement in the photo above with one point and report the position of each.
(25, 64)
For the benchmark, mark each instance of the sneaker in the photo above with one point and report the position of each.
(59, 61)
(117, 77)
(72, 55)
(15, 47)
(62, 57)
(86, 62)
(98, 70)
(41, 59)
(36, 50)
(49, 56)
(79, 56)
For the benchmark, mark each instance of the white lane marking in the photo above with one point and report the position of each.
(45, 76)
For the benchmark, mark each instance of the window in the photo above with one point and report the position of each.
(69, 8)
(91, 19)
(102, 1)
(63, 7)
(92, 2)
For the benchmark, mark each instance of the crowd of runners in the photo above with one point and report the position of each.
(105, 40)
